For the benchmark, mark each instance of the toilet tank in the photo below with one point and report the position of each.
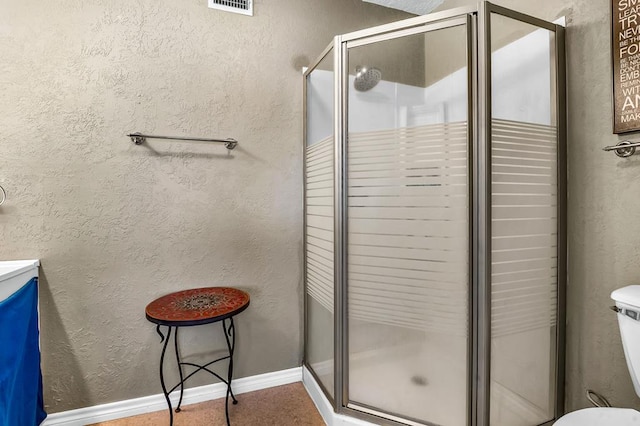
(628, 307)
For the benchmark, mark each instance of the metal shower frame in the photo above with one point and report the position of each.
(478, 24)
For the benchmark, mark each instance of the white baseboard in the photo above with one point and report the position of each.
(323, 405)
(149, 404)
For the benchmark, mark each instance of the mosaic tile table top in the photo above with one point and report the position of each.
(197, 306)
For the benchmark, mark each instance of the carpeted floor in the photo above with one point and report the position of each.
(281, 406)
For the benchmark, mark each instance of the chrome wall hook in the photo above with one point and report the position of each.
(623, 149)
(3, 195)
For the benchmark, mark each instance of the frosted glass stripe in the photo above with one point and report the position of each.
(320, 287)
(532, 252)
(525, 137)
(408, 212)
(416, 318)
(323, 284)
(417, 138)
(368, 314)
(521, 275)
(319, 222)
(324, 171)
(319, 151)
(320, 258)
(441, 202)
(429, 277)
(526, 145)
(324, 192)
(320, 233)
(327, 142)
(407, 173)
(371, 151)
(314, 167)
(320, 178)
(321, 269)
(443, 191)
(315, 254)
(319, 157)
(415, 180)
(440, 294)
(500, 154)
(319, 184)
(453, 257)
(522, 125)
(408, 227)
(539, 179)
(319, 201)
(524, 212)
(379, 151)
(542, 265)
(522, 292)
(407, 241)
(411, 308)
(320, 251)
(519, 241)
(320, 242)
(413, 135)
(523, 170)
(441, 131)
(405, 164)
(410, 264)
(320, 210)
(550, 163)
(411, 158)
(499, 200)
(425, 305)
(524, 227)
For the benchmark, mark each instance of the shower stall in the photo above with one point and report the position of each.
(435, 230)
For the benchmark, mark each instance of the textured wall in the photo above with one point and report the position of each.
(604, 238)
(117, 225)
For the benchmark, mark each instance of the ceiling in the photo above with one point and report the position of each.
(417, 7)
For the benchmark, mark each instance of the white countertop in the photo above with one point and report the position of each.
(14, 274)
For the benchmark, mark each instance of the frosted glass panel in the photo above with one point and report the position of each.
(319, 257)
(524, 265)
(407, 227)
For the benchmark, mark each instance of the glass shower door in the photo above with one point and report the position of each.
(319, 229)
(524, 241)
(407, 184)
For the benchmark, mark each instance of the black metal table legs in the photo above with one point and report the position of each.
(230, 338)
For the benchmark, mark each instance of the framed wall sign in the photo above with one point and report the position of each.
(625, 50)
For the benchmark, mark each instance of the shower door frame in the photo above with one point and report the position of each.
(460, 17)
(479, 132)
(329, 50)
(482, 361)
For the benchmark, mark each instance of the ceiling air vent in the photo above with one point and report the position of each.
(244, 7)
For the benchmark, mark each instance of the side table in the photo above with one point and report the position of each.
(197, 307)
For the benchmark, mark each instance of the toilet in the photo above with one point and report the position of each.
(628, 309)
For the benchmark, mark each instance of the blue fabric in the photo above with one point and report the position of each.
(21, 402)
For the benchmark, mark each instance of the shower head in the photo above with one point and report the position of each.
(366, 78)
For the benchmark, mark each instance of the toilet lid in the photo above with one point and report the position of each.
(600, 417)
